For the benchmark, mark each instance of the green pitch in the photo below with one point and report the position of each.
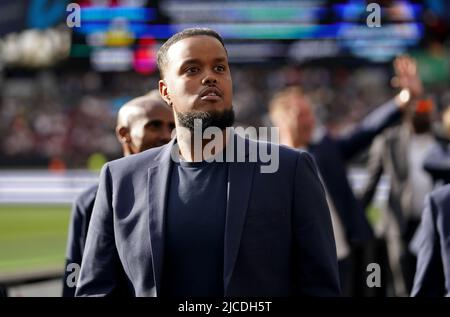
(32, 237)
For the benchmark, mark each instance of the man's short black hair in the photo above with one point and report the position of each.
(186, 33)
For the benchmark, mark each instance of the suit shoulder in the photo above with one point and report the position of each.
(285, 153)
(87, 196)
(139, 160)
(282, 149)
(441, 196)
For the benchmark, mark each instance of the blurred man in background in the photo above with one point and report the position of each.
(142, 123)
(437, 160)
(291, 110)
(432, 277)
(437, 165)
(400, 153)
(429, 242)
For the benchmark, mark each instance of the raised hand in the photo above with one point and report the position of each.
(407, 76)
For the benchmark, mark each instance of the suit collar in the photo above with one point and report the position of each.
(164, 155)
(157, 188)
(240, 178)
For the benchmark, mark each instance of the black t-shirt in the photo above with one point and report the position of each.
(195, 229)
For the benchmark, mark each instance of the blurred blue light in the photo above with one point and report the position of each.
(90, 14)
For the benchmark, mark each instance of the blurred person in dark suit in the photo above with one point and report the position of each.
(437, 161)
(291, 110)
(437, 164)
(400, 153)
(432, 277)
(173, 221)
(142, 123)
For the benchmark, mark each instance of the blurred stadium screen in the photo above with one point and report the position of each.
(128, 32)
(124, 35)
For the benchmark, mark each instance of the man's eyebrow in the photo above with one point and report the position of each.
(153, 121)
(220, 59)
(198, 61)
(190, 61)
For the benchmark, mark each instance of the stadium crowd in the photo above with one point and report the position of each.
(70, 116)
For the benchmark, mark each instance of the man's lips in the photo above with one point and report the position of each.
(211, 93)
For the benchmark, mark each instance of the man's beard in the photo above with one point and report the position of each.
(215, 118)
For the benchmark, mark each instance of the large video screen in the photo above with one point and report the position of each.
(118, 35)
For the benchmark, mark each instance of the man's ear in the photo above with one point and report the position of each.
(163, 91)
(123, 135)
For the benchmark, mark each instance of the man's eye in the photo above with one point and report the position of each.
(154, 125)
(220, 68)
(192, 70)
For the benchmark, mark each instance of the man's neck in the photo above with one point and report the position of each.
(291, 141)
(192, 147)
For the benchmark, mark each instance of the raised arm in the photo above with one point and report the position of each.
(408, 80)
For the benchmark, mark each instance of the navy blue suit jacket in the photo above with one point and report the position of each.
(78, 227)
(278, 234)
(332, 154)
(433, 260)
(437, 162)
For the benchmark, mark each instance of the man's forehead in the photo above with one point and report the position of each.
(150, 112)
(142, 120)
(299, 100)
(157, 111)
(194, 48)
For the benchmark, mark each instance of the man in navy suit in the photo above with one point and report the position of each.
(432, 276)
(176, 221)
(437, 161)
(142, 123)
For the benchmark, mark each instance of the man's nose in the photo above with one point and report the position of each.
(209, 79)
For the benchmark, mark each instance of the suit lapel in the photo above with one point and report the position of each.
(157, 188)
(240, 177)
